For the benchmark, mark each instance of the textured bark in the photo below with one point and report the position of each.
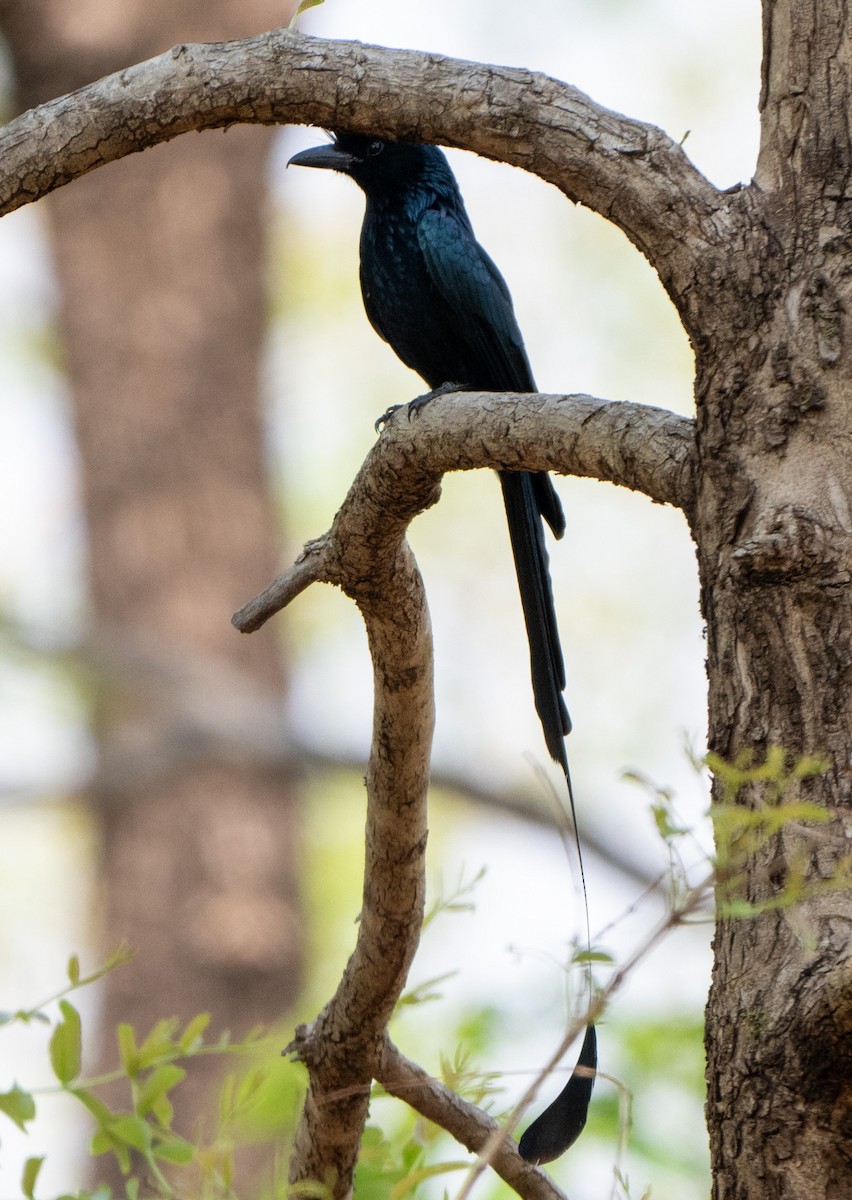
(775, 550)
(161, 263)
(366, 555)
(629, 171)
(636, 446)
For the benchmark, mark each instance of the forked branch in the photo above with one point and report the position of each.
(365, 553)
(646, 449)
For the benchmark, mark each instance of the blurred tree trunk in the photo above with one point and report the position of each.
(161, 263)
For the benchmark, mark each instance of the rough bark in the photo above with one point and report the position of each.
(639, 447)
(773, 528)
(629, 171)
(365, 554)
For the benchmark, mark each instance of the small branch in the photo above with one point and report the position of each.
(469, 1125)
(304, 572)
(630, 172)
(639, 447)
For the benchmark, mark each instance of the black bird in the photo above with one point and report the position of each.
(436, 297)
(432, 293)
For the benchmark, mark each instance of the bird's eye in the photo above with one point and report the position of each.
(375, 148)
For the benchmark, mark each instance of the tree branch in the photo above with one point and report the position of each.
(643, 448)
(468, 1124)
(366, 555)
(632, 173)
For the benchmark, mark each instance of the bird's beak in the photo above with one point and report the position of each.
(331, 157)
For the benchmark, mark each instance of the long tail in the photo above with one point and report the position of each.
(559, 1126)
(527, 497)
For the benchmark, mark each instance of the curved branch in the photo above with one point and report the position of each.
(469, 1125)
(630, 172)
(366, 555)
(639, 447)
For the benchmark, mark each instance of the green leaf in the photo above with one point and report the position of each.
(29, 1175)
(303, 7)
(226, 1167)
(18, 1106)
(163, 1111)
(133, 1130)
(24, 1017)
(175, 1150)
(250, 1085)
(66, 1045)
(154, 1088)
(226, 1098)
(423, 992)
(159, 1046)
(127, 1049)
(103, 1142)
(593, 956)
(312, 1188)
(191, 1039)
(96, 1107)
(73, 970)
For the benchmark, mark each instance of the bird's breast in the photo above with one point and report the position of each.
(401, 300)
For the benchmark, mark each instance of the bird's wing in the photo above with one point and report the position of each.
(469, 282)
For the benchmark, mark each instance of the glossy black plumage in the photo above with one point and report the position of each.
(436, 297)
(562, 1122)
(432, 293)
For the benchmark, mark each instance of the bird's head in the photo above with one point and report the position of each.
(375, 165)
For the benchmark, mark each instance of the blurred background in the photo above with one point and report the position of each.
(187, 386)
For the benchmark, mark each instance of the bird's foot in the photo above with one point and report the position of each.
(415, 405)
(385, 417)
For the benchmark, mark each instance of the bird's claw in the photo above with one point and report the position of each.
(415, 405)
(385, 417)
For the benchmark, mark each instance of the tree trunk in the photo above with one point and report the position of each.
(162, 267)
(773, 528)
